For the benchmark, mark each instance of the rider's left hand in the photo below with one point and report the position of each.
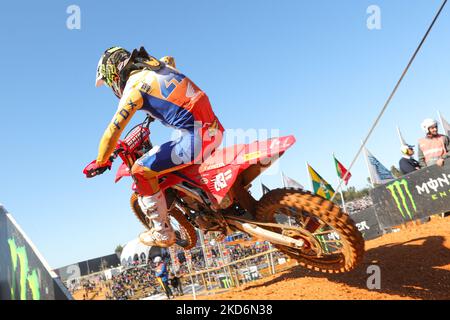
(93, 169)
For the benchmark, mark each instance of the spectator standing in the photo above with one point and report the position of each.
(175, 282)
(407, 163)
(434, 148)
(162, 275)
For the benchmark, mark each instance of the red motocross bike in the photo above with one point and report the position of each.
(214, 196)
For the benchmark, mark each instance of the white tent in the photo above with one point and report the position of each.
(135, 250)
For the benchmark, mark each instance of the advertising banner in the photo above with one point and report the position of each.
(414, 196)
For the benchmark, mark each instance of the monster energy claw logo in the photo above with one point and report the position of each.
(26, 277)
(226, 282)
(398, 190)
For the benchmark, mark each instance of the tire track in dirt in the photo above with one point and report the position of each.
(414, 264)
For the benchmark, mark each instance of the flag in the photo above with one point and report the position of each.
(342, 171)
(445, 125)
(264, 188)
(291, 183)
(402, 140)
(378, 173)
(320, 186)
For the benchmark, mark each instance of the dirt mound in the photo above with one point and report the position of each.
(414, 264)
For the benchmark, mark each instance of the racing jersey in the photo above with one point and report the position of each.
(167, 95)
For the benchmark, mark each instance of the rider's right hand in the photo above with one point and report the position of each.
(93, 169)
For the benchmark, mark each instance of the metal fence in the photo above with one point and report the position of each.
(237, 273)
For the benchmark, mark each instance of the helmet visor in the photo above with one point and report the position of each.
(99, 82)
(100, 76)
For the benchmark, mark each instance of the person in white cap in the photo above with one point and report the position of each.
(162, 275)
(407, 163)
(434, 148)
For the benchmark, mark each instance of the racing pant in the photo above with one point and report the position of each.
(193, 146)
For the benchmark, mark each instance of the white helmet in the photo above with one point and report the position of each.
(157, 259)
(405, 147)
(427, 123)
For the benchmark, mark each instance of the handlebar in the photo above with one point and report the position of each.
(115, 154)
(92, 170)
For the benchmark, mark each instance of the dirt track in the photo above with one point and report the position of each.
(414, 263)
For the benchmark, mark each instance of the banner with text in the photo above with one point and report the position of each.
(414, 196)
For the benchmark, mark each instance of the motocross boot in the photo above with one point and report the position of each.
(155, 209)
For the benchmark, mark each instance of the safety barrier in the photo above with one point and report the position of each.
(239, 272)
(415, 196)
(24, 274)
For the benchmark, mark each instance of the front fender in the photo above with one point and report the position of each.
(123, 171)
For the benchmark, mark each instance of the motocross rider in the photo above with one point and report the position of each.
(142, 82)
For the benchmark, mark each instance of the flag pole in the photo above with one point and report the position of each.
(440, 120)
(343, 201)
(310, 179)
(339, 186)
(340, 183)
(368, 167)
(402, 140)
(371, 182)
(282, 179)
(261, 184)
(284, 186)
(262, 187)
(340, 189)
(444, 124)
(388, 101)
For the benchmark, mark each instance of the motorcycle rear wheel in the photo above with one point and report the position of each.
(186, 235)
(322, 222)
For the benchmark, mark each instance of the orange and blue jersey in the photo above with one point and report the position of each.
(177, 102)
(168, 96)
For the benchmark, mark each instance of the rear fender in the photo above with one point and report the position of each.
(263, 153)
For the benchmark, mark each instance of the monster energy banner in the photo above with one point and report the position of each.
(224, 281)
(24, 275)
(417, 195)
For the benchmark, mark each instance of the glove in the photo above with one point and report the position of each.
(93, 169)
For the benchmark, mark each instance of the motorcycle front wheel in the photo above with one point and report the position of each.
(333, 244)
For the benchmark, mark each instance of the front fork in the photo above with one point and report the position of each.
(256, 231)
(247, 202)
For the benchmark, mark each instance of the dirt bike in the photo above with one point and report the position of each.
(214, 196)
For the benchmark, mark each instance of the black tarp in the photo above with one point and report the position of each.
(367, 223)
(87, 267)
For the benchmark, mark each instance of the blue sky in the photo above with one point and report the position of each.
(308, 68)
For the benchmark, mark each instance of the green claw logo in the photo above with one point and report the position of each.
(19, 255)
(398, 190)
(226, 282)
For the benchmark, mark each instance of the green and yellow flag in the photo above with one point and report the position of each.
(320, 186)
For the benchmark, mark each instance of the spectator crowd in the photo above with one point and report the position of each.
(357, 205)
